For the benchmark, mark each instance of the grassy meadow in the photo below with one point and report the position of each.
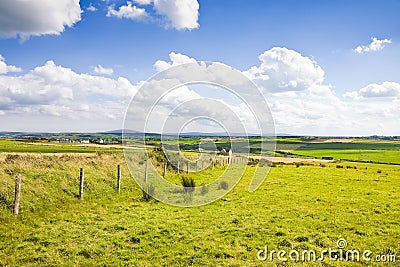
(301, 207)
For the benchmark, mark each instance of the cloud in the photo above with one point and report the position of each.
(385, 89)
(176, 59)
(59, 91)
(375, 45)
(91, 8)
(283, 70)
(4, 68)
(129, 12)
(143, 2)
(27, 18)
(177, 14)
(53, 97)
(101, 70)
(180, 14)
(351, 95)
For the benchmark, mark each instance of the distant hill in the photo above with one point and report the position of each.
(133, 133)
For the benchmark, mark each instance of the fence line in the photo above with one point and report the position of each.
(219, 161)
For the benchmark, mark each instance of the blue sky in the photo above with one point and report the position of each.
(235, 33)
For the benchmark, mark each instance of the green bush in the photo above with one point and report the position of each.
(189, 186)
(148, 192)
(204, 189)
(223, 185)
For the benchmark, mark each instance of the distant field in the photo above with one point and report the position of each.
(47, 147)
(364, 155)
(378, 145)
(365, 151)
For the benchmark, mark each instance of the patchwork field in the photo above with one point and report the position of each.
(307, 206)
(362, 151)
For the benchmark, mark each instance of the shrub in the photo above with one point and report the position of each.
(252, 162)
(279, 233)
(285, 243)
(264, 162)
(298, 164)
(339, 166)
(204, 189)
(223, 185)
(188, 184)
(379, 171)
(148, 192)
(301, 239)
(188, 188)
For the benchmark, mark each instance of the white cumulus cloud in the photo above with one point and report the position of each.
(177, 14)
(176, 59)
(180, 14)
(143, 2)
(385, 89)
(128, 11)
(282, 69)
(91, 8)
(375, 45)
(55, 90)
(26, 18)
(4, 68)
(99, 69)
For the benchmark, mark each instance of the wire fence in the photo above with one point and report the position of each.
(49, 181)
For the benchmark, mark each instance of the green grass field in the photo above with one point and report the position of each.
(364, 155)
(364, 151)
(305, 207)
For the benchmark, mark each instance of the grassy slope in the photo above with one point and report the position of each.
(320, 204)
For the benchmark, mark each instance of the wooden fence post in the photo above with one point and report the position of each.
(17, 194)
(146, 171)
(119, 178)
(187, 167)
(165, 169)
(82, 178)
(179, 165)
